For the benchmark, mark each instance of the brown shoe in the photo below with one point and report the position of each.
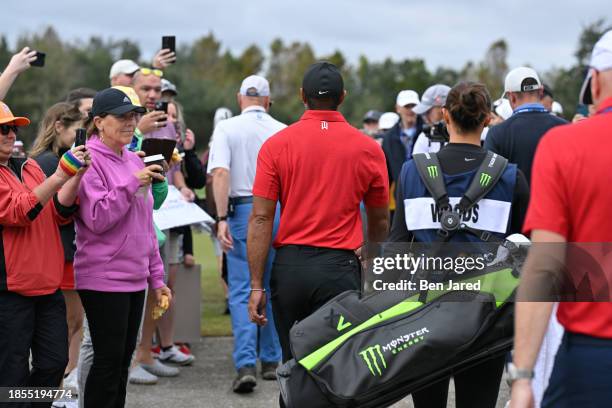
(268, 371)
(245, 380)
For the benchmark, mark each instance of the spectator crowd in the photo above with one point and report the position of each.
(88, 282)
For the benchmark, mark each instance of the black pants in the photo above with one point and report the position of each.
(114, 319)
(36, 323)
(187, 241)
(581, 374)
(304, 279)
(476, 386)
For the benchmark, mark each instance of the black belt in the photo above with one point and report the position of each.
(296, 249)
(240, 200)
(577, 338)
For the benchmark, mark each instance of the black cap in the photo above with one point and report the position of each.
(323, 80)
(547, 91)
(115, 102)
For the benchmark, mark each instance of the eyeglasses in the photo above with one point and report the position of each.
(149, 71)
(5, 129)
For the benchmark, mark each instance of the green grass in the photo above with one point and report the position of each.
(214, 322)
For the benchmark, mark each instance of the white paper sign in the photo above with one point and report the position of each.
(176, 212)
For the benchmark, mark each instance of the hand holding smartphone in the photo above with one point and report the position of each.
(169, 42)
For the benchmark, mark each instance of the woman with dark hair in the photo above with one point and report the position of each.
(500, 212)
(55, 136)
(117, 253)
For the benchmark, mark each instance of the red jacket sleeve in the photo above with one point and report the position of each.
(17, 208)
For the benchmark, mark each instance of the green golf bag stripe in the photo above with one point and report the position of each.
(501, 284)
(310, 361)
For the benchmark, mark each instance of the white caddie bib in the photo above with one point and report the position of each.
(487, 215)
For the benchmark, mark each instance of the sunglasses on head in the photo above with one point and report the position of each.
(5, 129)
(149, 71)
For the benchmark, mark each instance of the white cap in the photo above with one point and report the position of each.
(221, 114)
(502, 108)
(407, 97)
(124, 66)
(388, 120)
(522, 79)
(255, 85)
(557, 108)
(435, 95)
(601, 60)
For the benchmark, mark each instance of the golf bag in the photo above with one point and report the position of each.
(375, 350)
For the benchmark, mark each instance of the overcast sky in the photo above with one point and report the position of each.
(443, 32)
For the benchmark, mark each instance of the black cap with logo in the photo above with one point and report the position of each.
(323, 80)
(115, 102)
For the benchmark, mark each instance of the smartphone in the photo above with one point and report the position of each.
(161, 106)
(81, 137)
(169, 42)
(40, 60)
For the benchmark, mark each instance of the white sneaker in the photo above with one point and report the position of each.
(71, 382)
(66, 404)
(139, 375)
(175, 356)
(160, 370)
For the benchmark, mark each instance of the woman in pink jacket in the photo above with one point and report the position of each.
(117, 254)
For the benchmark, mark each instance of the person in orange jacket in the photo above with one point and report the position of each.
(32, 308)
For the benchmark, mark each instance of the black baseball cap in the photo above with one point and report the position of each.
(115, 102)
(323, 80)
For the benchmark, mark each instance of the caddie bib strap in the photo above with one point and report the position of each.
(429, 169)
(490, 171)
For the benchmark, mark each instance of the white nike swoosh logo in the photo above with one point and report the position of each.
(466, 159)
(323, 92)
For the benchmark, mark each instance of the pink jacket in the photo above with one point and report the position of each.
(117, 247)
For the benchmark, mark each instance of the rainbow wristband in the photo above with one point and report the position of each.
(70, 164)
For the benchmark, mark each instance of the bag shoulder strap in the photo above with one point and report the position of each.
(490, 171)
(429, 169)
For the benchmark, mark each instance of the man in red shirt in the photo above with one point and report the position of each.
(569, 204)
(320, 169)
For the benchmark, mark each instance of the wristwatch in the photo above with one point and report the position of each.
(221, 218)
(515, 373)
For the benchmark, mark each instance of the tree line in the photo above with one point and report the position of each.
(207, 76)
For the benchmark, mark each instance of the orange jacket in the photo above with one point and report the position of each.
(31, 254)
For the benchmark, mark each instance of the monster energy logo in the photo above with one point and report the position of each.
(371, 355)
(433, 171)
(485, 179)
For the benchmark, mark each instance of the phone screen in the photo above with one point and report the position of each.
(40, 60)
(81, 137)
(169, 42)
(162, 106)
